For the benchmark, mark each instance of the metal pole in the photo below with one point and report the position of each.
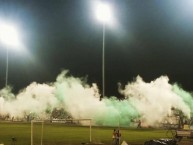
(103, 63)
(42, 133)
(32, 132)
(6, 75)
(90, 131)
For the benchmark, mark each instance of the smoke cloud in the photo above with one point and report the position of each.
(151, 102)
(154, 100)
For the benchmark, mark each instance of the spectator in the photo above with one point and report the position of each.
(118, 137)
(114, 137)
(139, 124)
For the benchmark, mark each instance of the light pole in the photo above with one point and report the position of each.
(103, 13)
(7, 68)
(103, 62)
(10, 38)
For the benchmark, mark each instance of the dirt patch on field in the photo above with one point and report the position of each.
(190, 142)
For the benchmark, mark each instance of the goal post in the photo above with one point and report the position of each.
(77, 120)
(32, 130)
(83, 122)
(90, 126)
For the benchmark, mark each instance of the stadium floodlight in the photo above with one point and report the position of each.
(9, 37)
(103, 12)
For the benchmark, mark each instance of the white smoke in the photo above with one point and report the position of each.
(154, 100)
(77, 98)
(34, 98)
(151, 101)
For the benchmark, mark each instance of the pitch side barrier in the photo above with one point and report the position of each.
(184, 133)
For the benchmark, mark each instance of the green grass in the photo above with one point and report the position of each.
(60, 134)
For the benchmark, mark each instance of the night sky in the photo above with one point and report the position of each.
(149, 38)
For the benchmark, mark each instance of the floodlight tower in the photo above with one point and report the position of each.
(9, 37)
(103, 14)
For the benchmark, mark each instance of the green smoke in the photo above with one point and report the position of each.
(82, 101)
(117, 113)
(186, 96)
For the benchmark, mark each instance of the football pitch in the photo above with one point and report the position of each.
(19, 133)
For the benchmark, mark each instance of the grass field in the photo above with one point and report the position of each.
(60, 134)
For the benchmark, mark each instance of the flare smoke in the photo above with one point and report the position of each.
(150, 102)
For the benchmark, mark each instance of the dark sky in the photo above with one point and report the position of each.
(151, 38)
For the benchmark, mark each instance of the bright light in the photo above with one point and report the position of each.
(103, 12)
(9, 35)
